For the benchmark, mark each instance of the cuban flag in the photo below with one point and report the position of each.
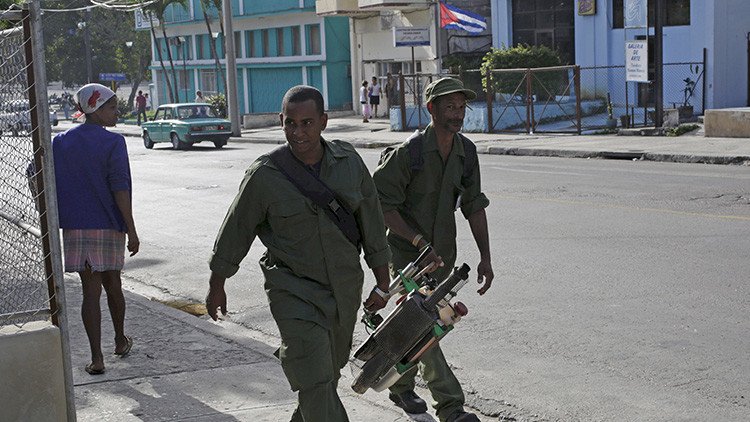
(452, 17)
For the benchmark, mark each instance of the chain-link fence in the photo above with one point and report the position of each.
(31, 286)
(631, 104)
(410, 93)
(562, 99)
(23, 278)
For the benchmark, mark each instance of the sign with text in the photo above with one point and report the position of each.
(636, 13)
(636, 61)
(411, 37)
(145, 20)
(115, 77)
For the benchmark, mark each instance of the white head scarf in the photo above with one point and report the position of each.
(90, 97)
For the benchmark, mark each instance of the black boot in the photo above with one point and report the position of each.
(461, 416)
(409, 401)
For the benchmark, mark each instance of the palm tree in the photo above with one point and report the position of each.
(158, 8)
(149, 11)
(205, 5)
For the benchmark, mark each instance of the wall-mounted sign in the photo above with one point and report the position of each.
(411, 37)
(636, 61)
(145, 20)
(636, 13)
(587, 7)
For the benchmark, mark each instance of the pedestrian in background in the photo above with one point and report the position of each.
(312, 271)
(199, 97)
(94, 188)
(419, 205)
(140, 107)
(364, 101)
(148, 101)
(375, 96)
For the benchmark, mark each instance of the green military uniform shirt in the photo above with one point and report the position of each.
(427, 198)
(309, 261)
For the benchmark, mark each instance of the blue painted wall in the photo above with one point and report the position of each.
(272, 70)
(268, 85)
(718, 26)
(337, 62)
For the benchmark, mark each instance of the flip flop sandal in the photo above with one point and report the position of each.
(128, 346)
(91, 371)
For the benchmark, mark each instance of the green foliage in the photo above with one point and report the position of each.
(123, 107)
(109, 30)
(681, 129)
(522, 57)
(5, 5)
(219, 102)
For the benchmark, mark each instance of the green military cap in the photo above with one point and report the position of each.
(445, 86)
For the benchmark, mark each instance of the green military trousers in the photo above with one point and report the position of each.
(447, 394)
(312, 357)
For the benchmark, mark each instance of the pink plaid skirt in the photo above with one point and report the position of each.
(99, 250)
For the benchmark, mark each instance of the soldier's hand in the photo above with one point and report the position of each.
(215, 299)
(484, 276)
(375, 302)
(435, 261)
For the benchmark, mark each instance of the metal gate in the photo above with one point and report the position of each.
(534, 100)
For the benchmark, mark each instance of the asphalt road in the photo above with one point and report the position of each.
(621, 288)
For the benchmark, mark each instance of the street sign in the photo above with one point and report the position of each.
(636, 61)
(114, 77)
(142, 20)
(411, 37)
(636, 13)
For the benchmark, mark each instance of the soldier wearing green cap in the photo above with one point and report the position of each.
(418, 206)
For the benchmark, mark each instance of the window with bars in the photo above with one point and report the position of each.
(313, 39)
(546, 22)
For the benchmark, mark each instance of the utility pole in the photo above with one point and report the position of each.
(659, 12)
(231, 61)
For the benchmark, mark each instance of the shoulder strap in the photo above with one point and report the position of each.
(314, 188)
(470, 159)
(414, 144)
(415, 154)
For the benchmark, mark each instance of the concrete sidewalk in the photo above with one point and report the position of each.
(688, 148)
(184, 367)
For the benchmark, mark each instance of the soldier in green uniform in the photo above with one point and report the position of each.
(419, 204)
(312, 271)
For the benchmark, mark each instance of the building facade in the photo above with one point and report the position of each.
(591, 33)
(278, 44)
(372, 42)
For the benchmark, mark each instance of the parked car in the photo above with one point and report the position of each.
(186, 124)
(15, 117)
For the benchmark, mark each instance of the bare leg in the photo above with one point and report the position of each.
(92, 315)
(116, 302)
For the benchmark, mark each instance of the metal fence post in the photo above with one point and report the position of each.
(402, 100)
(490, 122)
(577, 87)
(41, 134)
(529, 104)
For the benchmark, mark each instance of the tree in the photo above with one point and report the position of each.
(205, 6)
(109, 29)
(158, 9)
